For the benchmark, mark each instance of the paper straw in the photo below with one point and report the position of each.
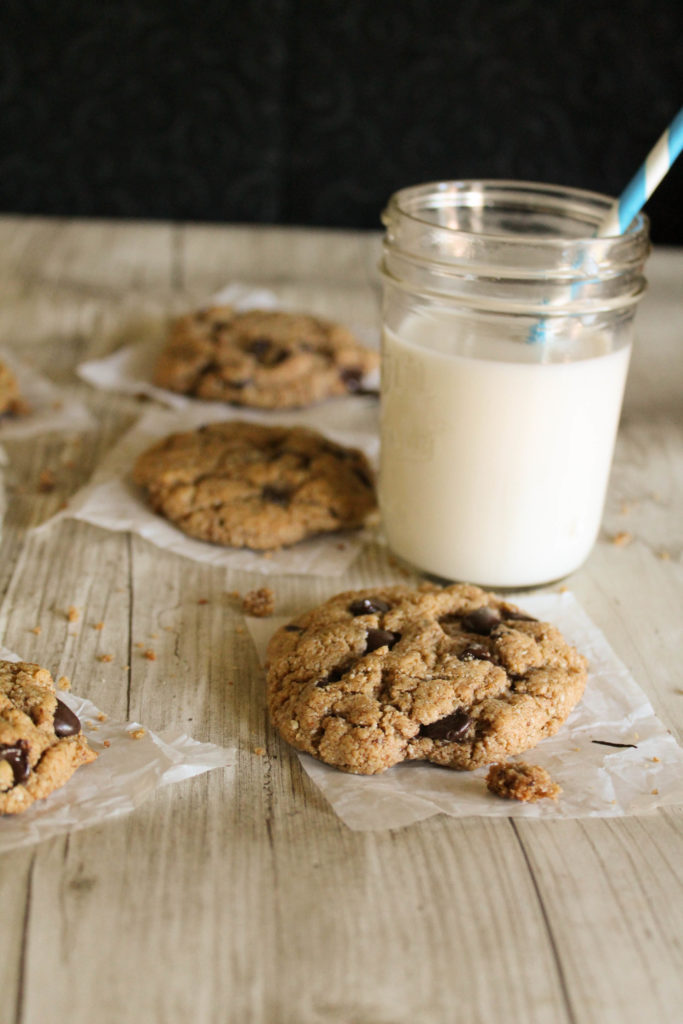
(633, 198)
(645, 180)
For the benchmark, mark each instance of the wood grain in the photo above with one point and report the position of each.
(246, 900)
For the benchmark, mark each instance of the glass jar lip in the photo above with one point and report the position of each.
(400, 202)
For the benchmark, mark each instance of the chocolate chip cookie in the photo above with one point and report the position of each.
(11, 403)
(255, 486)
(263, 358)
(41, 744)
(453, 675)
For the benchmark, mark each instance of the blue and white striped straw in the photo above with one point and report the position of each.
(633, 198)
(645, 181)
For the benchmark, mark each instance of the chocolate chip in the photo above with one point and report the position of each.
(452, 727)
(333, 676)
(352, 376)
(16, 755)
(363, 477)
(477, 652)
(368, 606)
(291, 628)
(65, 722)
(267, 352)
(508, 613)
(380, 638)
(277, 495)
(482, 620)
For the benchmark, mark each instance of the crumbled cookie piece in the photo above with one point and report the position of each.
(11, 403)
(622, 539)
(256, 486)
(452, 675)
(150, 655)
(137, 734)
(263, 358)
(41, 743)
(47, 481)
(260, 603)
(72, 614)
(517, 780)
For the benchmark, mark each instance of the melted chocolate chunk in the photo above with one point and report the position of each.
(278, 495)
(482, 620)
(16, 755)
(368, 606)
(452, 727)
(518, 616)
(291, 628)
(363, 477)
(65, 722)
(477, 652)
(352, 377)
(267, 352)
(333, 676)
(380, 638)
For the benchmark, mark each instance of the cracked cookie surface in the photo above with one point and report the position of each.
(452, 675)
(263, 358)
(262, 487)
(41, 744)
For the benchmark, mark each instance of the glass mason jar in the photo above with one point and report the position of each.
(507, 329)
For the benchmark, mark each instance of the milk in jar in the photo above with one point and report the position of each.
(507, 326)
(494, 468)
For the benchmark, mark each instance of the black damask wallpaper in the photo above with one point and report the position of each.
(314, 111)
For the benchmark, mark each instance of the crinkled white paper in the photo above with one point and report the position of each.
(596, 780)
(130, 369)
(49, 409)
(112, 501)
(124, 775)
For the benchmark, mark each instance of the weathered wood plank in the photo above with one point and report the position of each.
(244, 898)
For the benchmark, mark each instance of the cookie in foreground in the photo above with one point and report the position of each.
(454, 675)
(41, 743)
(263, 358)
(256, 486)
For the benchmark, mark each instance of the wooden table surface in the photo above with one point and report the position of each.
(243, 898)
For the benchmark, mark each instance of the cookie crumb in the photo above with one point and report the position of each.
(239, 629)
(46, 481)
(106, 743)
(37, 630)
(150, 655)
(72, 614)
(664, 555)
(518, 780)
(105, 657)
(655, 759)
(101, 717)
(203, 600)
(98, 625)
(622, 539)
(655, 792)
(137, 734)
(63, 683)
(140, 645)
(260, 603)
(259, 751)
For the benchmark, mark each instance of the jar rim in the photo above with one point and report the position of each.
(411, 200)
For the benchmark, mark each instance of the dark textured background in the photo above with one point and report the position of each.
(313, 111)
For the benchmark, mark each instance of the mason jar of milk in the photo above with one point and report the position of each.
(507, 330)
